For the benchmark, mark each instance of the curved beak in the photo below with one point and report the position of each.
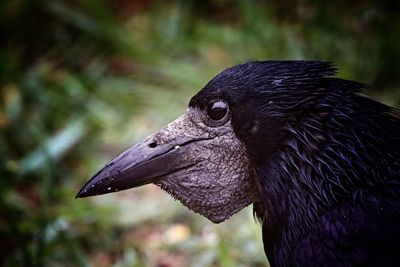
(146, 162)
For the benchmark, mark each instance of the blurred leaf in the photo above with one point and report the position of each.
(54, 147)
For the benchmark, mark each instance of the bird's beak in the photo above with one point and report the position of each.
(204, 167)
(148, 161)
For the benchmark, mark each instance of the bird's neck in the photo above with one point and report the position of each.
(313, 171)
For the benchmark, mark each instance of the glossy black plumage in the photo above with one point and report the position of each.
(327, 161)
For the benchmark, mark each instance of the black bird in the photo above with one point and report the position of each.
(319, 162)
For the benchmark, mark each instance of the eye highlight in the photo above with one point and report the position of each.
(217, 110)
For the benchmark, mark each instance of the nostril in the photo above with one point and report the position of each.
(153, 144)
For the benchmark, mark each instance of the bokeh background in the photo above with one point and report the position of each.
(82, 80)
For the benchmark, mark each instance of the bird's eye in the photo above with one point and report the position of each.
(217, 110)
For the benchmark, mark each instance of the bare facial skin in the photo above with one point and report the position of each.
(204, 167)
(218, 184)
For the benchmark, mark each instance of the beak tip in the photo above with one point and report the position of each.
(89, 189)
(96, 186)
(82, 193)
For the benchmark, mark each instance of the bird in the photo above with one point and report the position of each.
(318, 160)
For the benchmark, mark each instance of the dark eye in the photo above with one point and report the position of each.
(217, 110)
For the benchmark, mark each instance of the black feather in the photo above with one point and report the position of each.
(326, 158)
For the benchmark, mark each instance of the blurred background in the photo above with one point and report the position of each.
(82, 80)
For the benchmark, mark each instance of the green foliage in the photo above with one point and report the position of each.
(82, 80)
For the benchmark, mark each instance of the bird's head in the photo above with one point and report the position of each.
(206, 158)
